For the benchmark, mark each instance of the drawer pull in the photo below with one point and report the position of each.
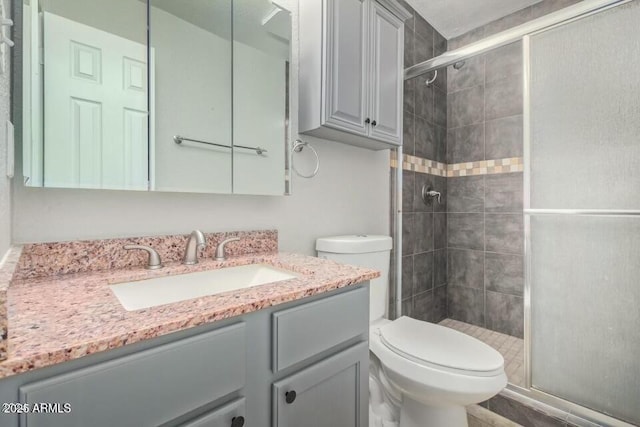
(237, 421)
(290, 396)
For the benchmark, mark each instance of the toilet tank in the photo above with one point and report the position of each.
(364, 251)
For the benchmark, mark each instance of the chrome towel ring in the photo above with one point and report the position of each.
(298, 146)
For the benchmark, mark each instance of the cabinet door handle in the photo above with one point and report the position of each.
(237, 421)
(367, 121)
(373, 123)
(290, 396)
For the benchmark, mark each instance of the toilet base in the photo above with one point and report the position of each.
(416, 414)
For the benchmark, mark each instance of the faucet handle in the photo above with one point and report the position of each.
(154, 262)
(220, 256)
(195, 241)
(429, 194)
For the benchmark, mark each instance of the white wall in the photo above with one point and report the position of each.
(349, 195)
(5, 184)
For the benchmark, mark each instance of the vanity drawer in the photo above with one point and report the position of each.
(147, 388)
(309, 329)
(229, 415)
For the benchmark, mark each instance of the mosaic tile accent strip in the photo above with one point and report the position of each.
(418, 164)
(52, 259)
(486, 167)
(483, 167)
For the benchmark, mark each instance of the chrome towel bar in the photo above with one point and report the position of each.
(179, 139)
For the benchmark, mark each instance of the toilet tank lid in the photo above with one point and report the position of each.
(354, 244)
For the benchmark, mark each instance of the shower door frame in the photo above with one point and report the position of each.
(548, 403)
(577, 413)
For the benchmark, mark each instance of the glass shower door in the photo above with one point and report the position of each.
(583, 211)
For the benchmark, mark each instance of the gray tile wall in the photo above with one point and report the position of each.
(424, 269)
(464, 259)
(485, 250)
(484, 214)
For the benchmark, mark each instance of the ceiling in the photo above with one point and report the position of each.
(453, 18)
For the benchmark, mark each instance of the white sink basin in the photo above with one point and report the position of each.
(169, 289)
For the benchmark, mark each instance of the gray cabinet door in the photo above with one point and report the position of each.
(229, 415)
(386, 47)
(345, 72)
(330, 393)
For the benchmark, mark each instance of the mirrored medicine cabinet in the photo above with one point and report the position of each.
(157, 95)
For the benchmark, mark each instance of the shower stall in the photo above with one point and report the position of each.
(581, 197)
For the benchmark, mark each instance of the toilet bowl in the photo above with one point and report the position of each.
(421, 374)
(437, 370)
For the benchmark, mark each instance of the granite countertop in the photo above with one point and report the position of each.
(60, 318)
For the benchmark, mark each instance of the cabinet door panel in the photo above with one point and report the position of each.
(327, 394)
(346, 65)
(387, 38)
(224, 416)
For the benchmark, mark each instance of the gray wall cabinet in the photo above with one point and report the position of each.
(239, 372)
(351, 71)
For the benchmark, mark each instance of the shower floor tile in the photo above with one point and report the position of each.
(511, 348)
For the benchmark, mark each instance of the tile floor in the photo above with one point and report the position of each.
(511, 348)
(481, 417)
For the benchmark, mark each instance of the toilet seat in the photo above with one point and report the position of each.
(441, 348)
(428, 382)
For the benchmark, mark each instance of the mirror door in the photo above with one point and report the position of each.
(190, 43)
(158, 95)
(261, 57)
(86, 94)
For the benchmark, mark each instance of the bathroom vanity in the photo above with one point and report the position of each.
(279, 354)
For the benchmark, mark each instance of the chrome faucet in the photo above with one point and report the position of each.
(195, 242)
(154, 262)
(220, 249)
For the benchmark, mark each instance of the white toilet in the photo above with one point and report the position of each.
(421, 374)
